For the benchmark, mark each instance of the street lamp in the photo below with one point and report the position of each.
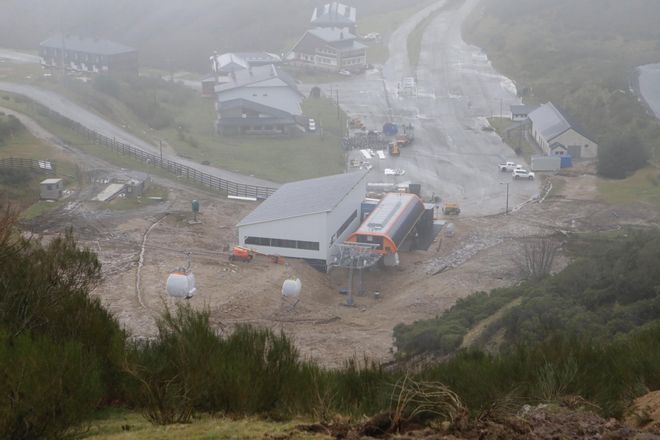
(506, 212)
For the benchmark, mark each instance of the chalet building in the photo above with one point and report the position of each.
(331, 49)
(227, 63)
(88, 55)
(521, 112)
(259, 100)
(335, 15)
(555, 135)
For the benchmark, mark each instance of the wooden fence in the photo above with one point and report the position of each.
(45, 166)
(180, 170)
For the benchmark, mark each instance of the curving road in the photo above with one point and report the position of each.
(94, 122)
(649, 86)
(458, 88)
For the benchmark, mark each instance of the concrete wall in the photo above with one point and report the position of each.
(588, 148)
(307, 228)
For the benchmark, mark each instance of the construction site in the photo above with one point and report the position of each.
(140, 247)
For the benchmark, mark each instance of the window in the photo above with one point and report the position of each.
(259, 241)
(283, 243)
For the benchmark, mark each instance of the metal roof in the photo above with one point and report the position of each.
(339, 38)
(332, 35)
(50, 181)
(87, 45)
(281, 98)
(305, 197)
(522, 109)
(336, 13)
(548, 121)
(258, 74)
(386, 214)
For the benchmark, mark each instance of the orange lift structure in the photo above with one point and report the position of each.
(390, 223)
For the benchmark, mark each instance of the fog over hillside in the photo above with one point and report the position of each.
(180, 32)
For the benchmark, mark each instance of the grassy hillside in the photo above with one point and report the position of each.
(20, 187)
(177, 33)
(611, 288)
(579, 54)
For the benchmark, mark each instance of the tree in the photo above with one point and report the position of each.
(621, 156)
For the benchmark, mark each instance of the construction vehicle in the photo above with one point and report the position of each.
(394, 149)
(407, 136)
(239, 253)
(451, 208)
(356, 124)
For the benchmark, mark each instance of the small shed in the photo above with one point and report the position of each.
(136, 184)
(52, 189)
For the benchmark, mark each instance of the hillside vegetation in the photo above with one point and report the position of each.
(172, 33)
(610, 289)
(64, 360)
(582, 56)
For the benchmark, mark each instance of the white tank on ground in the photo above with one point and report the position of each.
(291, 288)
(181, 285)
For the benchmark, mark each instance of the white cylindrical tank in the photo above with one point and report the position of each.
(291, 288)
(181, 285)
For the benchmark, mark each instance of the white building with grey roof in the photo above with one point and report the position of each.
(305, 219)
(259, 100)
(329, 48)
(334, 15)
(555, 135)
(92, 55)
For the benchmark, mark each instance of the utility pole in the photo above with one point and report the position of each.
(160, 142)
(338, 109)
(506, 212)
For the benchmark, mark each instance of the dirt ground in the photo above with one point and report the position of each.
(478, 256)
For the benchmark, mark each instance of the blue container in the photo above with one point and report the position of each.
(566, 161)
(390, 129)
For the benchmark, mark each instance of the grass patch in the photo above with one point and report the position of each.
(124, 425)
(643, 186)
(514, 138)
(40, 208)
(20, 187)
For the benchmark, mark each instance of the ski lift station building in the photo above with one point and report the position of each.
(304, 219)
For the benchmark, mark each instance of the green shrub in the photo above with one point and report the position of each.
(47, 387)
(611, 288)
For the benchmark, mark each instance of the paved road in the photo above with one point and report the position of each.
(94, 122)
(457, 90)
(18, 57)
(649, 86)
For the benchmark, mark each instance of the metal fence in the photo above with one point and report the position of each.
(181, 171)
(45, 166)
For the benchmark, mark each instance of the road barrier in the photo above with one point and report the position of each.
(180, 170)
(45, 166)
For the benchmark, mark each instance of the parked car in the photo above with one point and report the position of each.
(520, 173)
(508, 166)
(394, 172)
(311, 125)
(344, 72)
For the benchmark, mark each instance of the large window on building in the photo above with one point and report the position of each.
(283, 243)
